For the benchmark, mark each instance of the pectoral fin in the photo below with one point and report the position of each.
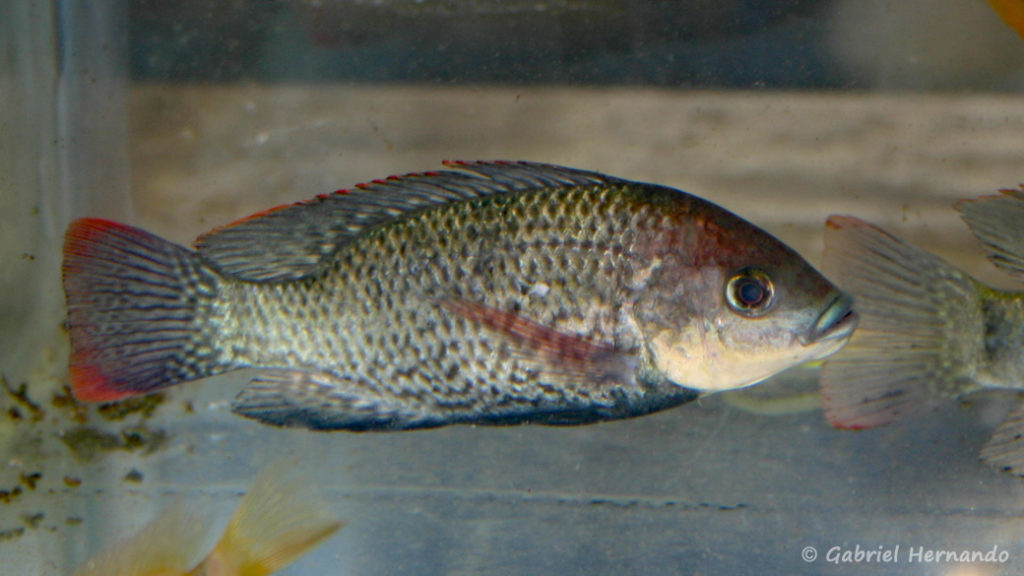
(557, 354)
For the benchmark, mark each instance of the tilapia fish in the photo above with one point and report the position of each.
(495, 293)
(928, 330)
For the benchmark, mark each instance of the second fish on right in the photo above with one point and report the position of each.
(928, 330)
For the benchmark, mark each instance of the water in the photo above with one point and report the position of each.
(200, 115)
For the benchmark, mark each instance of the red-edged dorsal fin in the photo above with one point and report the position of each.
(293, 241)
(557, 354)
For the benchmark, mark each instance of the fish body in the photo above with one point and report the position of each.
(501, 293)
(928, 331)
(282, 517)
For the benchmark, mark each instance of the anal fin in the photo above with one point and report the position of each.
(319, 401)
(1005, 450)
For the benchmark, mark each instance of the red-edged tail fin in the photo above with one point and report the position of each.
(135, 308)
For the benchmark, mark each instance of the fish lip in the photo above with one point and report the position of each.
(837, 321)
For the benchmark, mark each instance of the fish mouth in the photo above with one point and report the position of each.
(837, 322)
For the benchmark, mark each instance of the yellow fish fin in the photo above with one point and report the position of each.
(282, 517)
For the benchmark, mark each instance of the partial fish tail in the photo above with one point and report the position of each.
(995, 221)
(170, 544)
(137, 306)
(281, 518)
(921, 326)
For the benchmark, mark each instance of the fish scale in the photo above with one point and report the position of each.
(395, 363)
(395, 345)
(501, 293)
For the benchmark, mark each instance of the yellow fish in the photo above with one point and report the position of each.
(282, 517)
(1012, 12)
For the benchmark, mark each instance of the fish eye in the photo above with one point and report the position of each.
(750, 292)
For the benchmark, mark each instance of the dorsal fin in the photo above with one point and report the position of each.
(291, 241)
(996, 222)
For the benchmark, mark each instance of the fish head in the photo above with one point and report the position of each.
(740, 308)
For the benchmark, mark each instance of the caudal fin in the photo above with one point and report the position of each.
(135, 308)
(281, 518)
(920, 323)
